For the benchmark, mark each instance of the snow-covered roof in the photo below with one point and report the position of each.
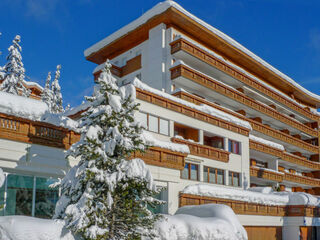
(162, 7)
(253, 195)
(34, 110)
(203, 108)
(32, 84)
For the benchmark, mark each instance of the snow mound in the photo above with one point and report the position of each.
(210, 221)
(22, 228)
(34, 110)
(266, 142)
(152, 141)
(21, 106)
(263, 196)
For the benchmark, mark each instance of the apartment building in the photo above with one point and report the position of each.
(246, 124)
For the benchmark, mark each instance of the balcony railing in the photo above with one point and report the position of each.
(302, 179)
(245, 208)
(188, 111)
(184, 71)
(186, 46)
(259, 127)
(265, 174)
(23, 130)
(204, 151)
(301, 161)
(162, 158)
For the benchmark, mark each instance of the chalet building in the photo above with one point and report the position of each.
(246, 124)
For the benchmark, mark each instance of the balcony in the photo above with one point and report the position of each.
(257, 126)
(245, 208)
(188, 111)
(231, 93)
(162, 158)
(285, 156)
(203, 56)
(265, 174)
(204, 151)
(23, 130)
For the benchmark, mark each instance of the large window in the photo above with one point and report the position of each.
(154, 123)
(234, 179)
(213, 175)
(190, 171)
(234, 147)
(29, 196)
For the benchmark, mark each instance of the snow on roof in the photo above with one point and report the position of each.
(253, 196)
(83, 106)
(203, 108)
(32, 84)
(162, 7)
(266, 142)
(34, 110)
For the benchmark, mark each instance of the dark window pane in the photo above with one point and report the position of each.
(212, 175)
(46, 197)
(19, 195)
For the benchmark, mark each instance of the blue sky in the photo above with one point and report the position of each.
(285, 33)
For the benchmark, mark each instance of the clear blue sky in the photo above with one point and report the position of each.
(285, 33)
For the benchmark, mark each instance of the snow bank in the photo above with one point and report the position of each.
(22, 228)
(254, 195)
(203, 108)
(267, 142)
(34, 110)
(162, 7)
(152, 141)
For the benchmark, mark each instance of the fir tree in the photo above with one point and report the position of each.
(56, 91)
(47, 95)
(106, 195)
(14, 72)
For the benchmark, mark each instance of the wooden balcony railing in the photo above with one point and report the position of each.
(259, 127)
(188, 111)
(302, 179)
(186, 46)
(184, 71)
(23, 130)
(162, 158)
(301, 161)
(204, 151)
(245, 208)
(265, 174)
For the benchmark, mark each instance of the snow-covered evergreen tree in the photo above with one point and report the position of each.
(14, 72)
(106, 195)
(56, 91)
(47, 95)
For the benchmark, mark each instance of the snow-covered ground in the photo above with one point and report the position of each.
(211, 221)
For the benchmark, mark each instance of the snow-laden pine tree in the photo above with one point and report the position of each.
(47, 95)
(106, 195)
(56, 92)
(14, 72)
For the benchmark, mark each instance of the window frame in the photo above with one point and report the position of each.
(189, 171)
(216, 175)
(230, 146)
(232, 175)
(158, 122)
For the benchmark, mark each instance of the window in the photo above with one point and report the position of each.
(234, 147)
(234, 179)
(213, 175)
(190, 171)
(29, 196)
(213, 140)
(153, 123)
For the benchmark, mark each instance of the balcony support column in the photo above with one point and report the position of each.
(201, 137)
